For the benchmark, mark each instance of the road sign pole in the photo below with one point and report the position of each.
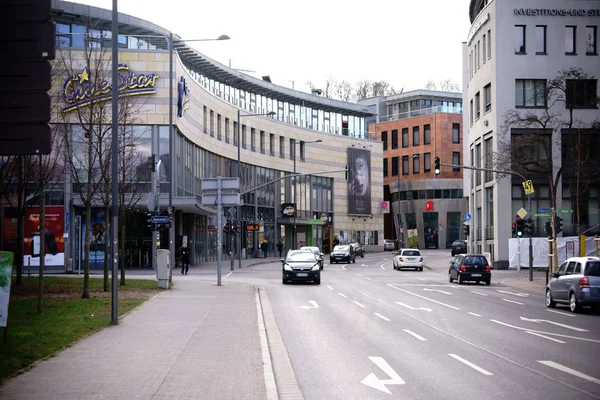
(530, 241)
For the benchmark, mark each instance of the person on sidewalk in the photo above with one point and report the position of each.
(280, 247)
(185, 259)
(264, 247)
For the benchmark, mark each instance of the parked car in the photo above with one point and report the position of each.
(388, 245)
(577, 283)
(343, 253)
(470, 267)
(300, 265)
(358, 249)
(408, 258)
(459, 247)
(317, 252)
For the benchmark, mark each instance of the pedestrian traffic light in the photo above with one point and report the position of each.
(559, 225)
(436, 165)
(346, 172)
(520, 227)
(528, 227)
(466, 229)
(514, 228)
(232, 229)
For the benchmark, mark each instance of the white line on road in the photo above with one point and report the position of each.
(382, 317)
(514, 294)
(547, 333)
(413, 308)
(342, 294)
(436, 290)
(470, 364)
(561, 313)
(545, 337)
(358, 304)
(366, 277)
(472, 313)
(512, 301)
(415, 335)
(422, 279)
(405, 274)
(423, 297)
(358, 274)
(329, 287)
(363, 265)
(554, 323)
(570, 371)
(481, 294)
(228, 274)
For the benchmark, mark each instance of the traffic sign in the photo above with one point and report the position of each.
(522, 213)
(544, 210)
(210, 199)
(528, 187)
(565, 211)
(226, 183)
(467, 217)
(160, 219)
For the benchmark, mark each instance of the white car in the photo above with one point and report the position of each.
(408, 258)
(317, 252)
(388, 245)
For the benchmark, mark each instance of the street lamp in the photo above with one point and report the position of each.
(295, 179)
(239, 173)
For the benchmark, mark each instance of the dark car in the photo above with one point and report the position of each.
(459, 247)
(577, 283)
(470, 267)
(343, 253)
(301, 266)
(358, 249)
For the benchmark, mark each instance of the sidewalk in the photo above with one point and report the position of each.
(520, 280)
(195, 341)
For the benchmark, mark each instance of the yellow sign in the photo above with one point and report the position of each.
(528, 186)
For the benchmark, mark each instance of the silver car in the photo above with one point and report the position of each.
(388, 245)
(577, 283)
(317, 252)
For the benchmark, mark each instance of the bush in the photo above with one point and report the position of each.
(413, 241)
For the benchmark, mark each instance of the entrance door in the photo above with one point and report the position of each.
(452, 228)
(430, 230)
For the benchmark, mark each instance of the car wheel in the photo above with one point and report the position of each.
(420, 268)
(488, 282)
(354, 261)
(459, 279)
(450, 277)
(573, 305)
(452, 253)
(362, 255)
(550, 303)
(284, 281)
(318, 281)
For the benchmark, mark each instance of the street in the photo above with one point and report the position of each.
(369, 331)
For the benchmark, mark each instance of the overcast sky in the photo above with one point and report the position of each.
(400, 42)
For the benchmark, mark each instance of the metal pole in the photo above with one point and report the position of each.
(219, 231)
(530, 242)
(400, 242)
(171, 163)
(295, 205)
(239, 208)
(115, 159)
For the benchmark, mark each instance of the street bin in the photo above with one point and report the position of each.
(163, 268)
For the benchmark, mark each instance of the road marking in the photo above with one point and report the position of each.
(546, 333)
(382, 266)
(366, 277)
(363, 265)
(470, 364)
(344, 267)
(413, 308)
(422, 279)
(382, 317)
(472, 313)
(358, 304)
(553, 323)
(545, 337)
(423, 297)
(568, 370)
(379, 384)
(314, 305)
(405, 274)
(329, 287)
(228, 274)
(358, 275)
(421, 338)
(481, 294)
(512, 301)
(342, 294)
(561, 313)
(436, 290)
(514, 294)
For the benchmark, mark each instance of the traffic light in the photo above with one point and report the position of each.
(528, 227)
(514, 228)
(152, 163)
(466, 229)
(436, 165)
(559, 226)
(548, 228)
(520, 227)
(149, 222)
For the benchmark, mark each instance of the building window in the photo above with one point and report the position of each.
(235, 133)
(476, 54)
(456, 161)
(404, 165)
(292, 149)
(281, 146)
(455, 133)
(226, 130)
(489, 41)
(487, 97)
(395, 166)
(427, 162)
(591, 40)
(272, 144)
(385, 167)
(416, 164)
(219, 126)
(384, 139)
(252, 139)
(582, 93)
(471, 112)
(530, 93)
(302, 150)
(470, 64)
(416, 136)
(427, 134)
(540, 39)
(394, 139)
(570, 40)
(477, 106)
(404, 137)
(520, 39)
(262, 142)
(212, 123)
(483, 50)
(205, 115)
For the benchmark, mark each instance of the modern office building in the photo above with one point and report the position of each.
(415, 127)
(516, 64)
(280, 130)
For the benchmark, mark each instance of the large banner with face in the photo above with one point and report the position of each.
(359, 181)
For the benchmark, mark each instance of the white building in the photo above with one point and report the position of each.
(512, 48)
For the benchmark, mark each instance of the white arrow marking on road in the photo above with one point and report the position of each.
(423, 297)
(413, 308)
(553, 323)
(379, 384)
(514, 294)
(421, 338)
(545, 337)
(570, 371)
(481, 294)
(344, 267)
(470, 364)
(512, 301)
(436, 290)
(314, 305)
(382, 317)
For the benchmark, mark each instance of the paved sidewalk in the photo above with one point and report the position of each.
(520, 280)
(195, 341)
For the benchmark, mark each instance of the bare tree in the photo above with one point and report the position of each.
(363, 88)
(446, 85)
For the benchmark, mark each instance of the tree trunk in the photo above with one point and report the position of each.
(107, 232)
(20, 229)
(122, 245)
(40, 302)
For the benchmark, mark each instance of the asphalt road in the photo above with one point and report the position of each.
(369, 331)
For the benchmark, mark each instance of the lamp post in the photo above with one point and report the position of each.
(295, 190)
(239, 173)
(172, 146)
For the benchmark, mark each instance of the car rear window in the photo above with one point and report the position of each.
(475, 260)
(411, 253)
(593, 268)
(457, 243)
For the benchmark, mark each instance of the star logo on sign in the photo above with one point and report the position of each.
(84, 75)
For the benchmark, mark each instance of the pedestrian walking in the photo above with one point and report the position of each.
(264, 247)
(280, 247)
(185, 259)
